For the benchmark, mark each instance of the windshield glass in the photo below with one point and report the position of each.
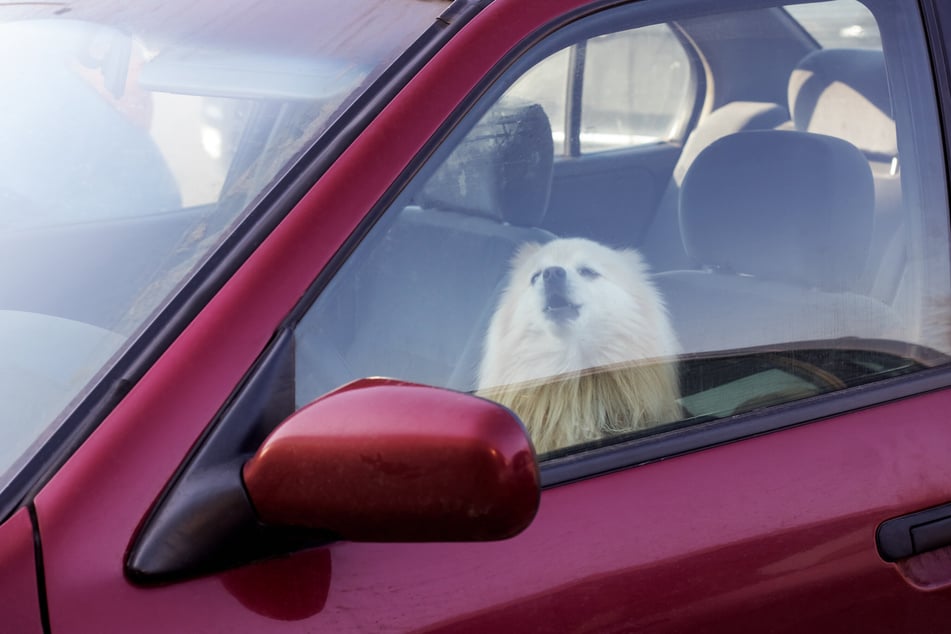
(136, 136)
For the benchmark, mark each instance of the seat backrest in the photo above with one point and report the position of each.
(426, 285)
(781, 222)
(844, 93)
(662, 246)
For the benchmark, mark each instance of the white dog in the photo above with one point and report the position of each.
(580, 345)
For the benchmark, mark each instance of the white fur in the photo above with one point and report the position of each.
(618, 321)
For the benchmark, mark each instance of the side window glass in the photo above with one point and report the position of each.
(620, 90)
(798, 246)
(638, 89)
(838, 24)
(547, 84)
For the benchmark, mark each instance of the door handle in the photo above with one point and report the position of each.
(909, 535)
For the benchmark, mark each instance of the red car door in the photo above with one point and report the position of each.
(812, 360)
(18, 580)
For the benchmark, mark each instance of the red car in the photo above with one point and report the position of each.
(490, 315)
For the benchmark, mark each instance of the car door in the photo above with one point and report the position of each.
(764, 505)
(18, 563)
(811, 386)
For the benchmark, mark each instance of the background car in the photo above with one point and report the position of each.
(250, 256)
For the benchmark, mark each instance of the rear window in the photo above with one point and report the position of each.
(838, 24)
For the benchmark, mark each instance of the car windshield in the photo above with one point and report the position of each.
(136, 137)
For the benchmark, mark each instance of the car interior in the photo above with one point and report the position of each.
(414, 299)
(470, 217)
(804, 132)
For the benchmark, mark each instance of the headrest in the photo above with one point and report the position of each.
(780, 205)
(501, 169)
(844, 93)
(735, 116)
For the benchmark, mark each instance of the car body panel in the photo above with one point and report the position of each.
(771, 508)
(20, 608)
(797, 507)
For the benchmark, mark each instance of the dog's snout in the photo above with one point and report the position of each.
(556, 281)
(558, 305)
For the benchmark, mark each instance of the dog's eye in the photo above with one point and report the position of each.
(535, 277)
(588, 272)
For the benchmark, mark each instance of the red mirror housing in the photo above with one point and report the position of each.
(383, 460)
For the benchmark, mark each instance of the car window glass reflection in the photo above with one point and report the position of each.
(134, 143)
(790, 246)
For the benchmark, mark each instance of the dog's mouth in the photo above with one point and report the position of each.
(559, 308)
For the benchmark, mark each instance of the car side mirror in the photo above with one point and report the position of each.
(387, 461)
(376, 460)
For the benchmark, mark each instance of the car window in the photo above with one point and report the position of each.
(629, 88)
(136, 139)
(809, 211)
(839, 24)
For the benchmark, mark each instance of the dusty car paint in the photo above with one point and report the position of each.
(640, 548)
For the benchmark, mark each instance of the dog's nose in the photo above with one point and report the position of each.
(553, 273)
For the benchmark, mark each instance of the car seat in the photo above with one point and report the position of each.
(844, 93)
(662, 246)
(417, 295)
(781, 223)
